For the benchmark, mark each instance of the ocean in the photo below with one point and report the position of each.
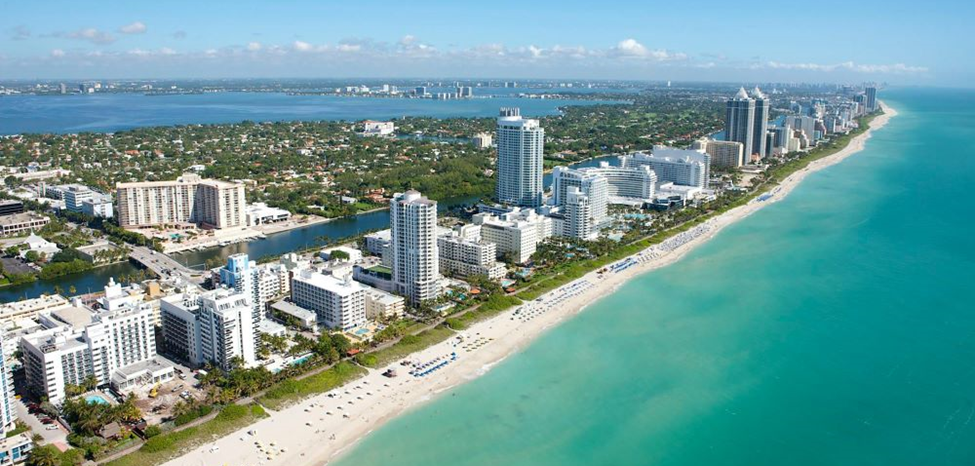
(830, 328)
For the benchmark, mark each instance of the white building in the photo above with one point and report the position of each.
(339, 303)
(519, 171)
(678, 166)
(516, 233)
(189, 199)
(263, 283)
(99, 205)
(210, 327)
(7, 413)
(631, 186)
(260, 213)
(82, 343)
(464, 253)
(591, 183)
(415, 264)
(378, 128)
(74, 195)
(482, 140)
(578, 215)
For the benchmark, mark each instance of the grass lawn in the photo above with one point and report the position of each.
(287, 392)
(167, 446)
(410, 344)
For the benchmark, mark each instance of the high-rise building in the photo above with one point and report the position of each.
(189, 199)
(413, 222)
(591, 183)
(739, 122)
(520, 168)
(871, 99)
(578, 215)
(339, 303)
(261, 282)
(211, 327)
(760, 126)
(630, 186)
(7, 413)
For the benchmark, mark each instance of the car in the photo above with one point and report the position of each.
(51, 427)
(47, 420)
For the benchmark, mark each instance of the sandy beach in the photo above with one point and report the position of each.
(315, 431)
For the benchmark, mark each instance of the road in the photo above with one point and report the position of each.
(163, 265)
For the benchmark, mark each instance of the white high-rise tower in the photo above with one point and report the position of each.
(416, 267)
(520, 150)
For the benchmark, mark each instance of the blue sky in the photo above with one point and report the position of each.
(824, 41)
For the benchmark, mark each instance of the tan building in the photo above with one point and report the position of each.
(188, 199)
(724, 154)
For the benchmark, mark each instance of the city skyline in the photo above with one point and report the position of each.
(846, 43)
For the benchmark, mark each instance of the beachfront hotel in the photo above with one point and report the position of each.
(760, 126)
(516, 232)
(520, 145)
(724, 154)
(578, 212)
(262, 283)
(591, 183)
(679, 166)
(338, 303)
(188, 199)
(415, 261)
(739, 121)
(78, 342)
(463, 253)
(210, 327)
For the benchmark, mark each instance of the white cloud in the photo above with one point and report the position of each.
(407, 40)
(348, 47)
(253, 46)
(137, 27)
(630, 48)
(167, 51)
(897, 68)
(302, 46)
(92, 35)
(57, 53)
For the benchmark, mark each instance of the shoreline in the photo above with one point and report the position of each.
(323, 427)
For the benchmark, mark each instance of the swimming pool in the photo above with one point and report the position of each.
(97, 399)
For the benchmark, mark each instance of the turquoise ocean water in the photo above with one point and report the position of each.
(835, 327)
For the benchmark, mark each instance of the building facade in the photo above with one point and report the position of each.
(415, 261)
(339, 303)
(739, 121)
(189, 199)
(214, 327)
(762, 105)
(520, 144)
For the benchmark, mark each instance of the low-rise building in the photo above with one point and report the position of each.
(464, 253)
(15, 224)
(15, 449)
(290, 313)
(260, 213)
(378, 128)
(380, 303)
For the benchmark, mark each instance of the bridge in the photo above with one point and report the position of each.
(163, 265)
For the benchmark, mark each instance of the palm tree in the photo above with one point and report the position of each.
(46, 455)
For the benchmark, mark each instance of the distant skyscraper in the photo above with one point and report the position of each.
(739, 122)
(761, 123)
(413, 224)
(520, 150)
(871, 99)
(7, 413)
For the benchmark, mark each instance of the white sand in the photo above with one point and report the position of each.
(312, 437)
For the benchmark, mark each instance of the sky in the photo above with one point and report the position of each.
(851, 41)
